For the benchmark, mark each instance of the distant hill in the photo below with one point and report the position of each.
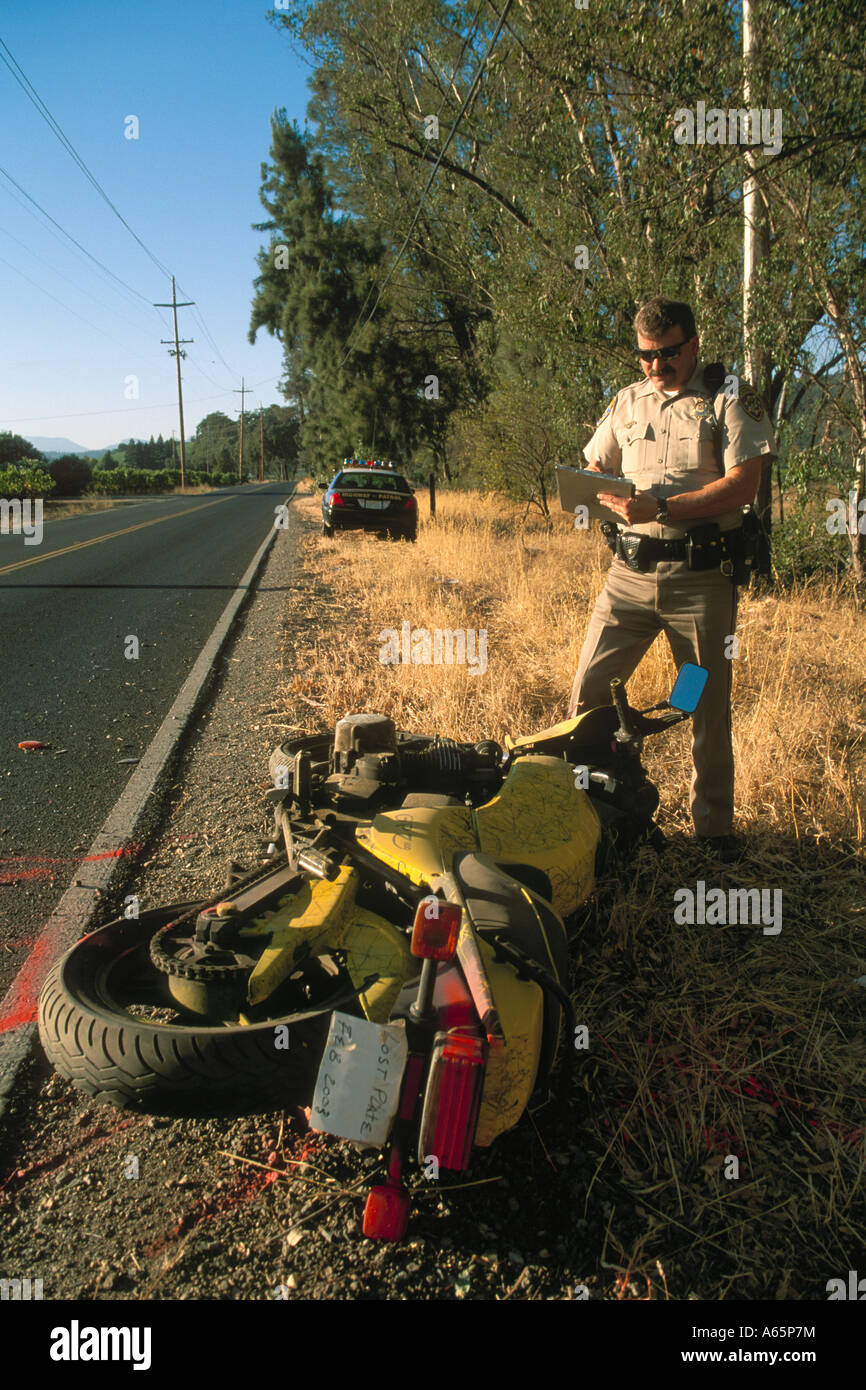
(54, 448)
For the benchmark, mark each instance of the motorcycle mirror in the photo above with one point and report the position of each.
(688, 687)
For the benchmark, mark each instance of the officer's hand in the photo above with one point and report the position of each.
(642, 507)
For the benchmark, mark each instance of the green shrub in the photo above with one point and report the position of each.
(802, 545)
(71, 474)
(25, 479)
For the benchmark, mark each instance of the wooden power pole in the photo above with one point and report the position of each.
(261, 444)
(177, 354)
(242, 392)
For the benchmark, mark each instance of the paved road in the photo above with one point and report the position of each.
(160, 570)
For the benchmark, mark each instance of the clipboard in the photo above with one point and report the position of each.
(579, 487)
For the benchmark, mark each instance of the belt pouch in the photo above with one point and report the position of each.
(704, 549)
(632, 550)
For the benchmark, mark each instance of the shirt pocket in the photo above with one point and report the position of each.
(638, 445)
(697, 448)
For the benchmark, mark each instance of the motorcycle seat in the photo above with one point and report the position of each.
(498, 904)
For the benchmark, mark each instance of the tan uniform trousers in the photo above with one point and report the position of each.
(697, 611)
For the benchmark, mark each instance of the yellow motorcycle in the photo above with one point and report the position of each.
(401, 964)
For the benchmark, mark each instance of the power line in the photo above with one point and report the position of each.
(30, 92)
(111, 309)
(452, 132)
(126, 410)
(71, 238)
(67, 307)
(107, 271)
(33, 96)
(131, 297)
(199, 317)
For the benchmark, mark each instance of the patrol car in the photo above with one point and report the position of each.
(369, 495)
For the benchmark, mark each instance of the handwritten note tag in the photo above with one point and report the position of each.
(358, 1086)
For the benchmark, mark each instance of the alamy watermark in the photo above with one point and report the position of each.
(20, 1289)
(19, 518)
(850, 520)
(738, 126)
(744, 907)
(77, 1343)
(420, 647)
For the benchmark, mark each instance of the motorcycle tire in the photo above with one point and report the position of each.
(93, 1041)
(327, 531)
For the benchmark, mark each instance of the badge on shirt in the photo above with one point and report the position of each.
(750, 401)
(703, 407)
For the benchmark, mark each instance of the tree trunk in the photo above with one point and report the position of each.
(857, 538)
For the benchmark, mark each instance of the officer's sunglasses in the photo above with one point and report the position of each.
(649, 354)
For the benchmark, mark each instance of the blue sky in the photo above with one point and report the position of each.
(203, 80)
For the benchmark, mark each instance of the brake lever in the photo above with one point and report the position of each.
(665, 721)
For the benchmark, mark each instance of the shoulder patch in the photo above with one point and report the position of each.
(750, 401)
(608, 408)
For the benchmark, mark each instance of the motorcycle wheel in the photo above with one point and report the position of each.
(99, 1027)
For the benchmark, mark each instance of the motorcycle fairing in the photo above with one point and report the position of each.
(323, 915)
(540, 818)
(496, 905)
(419, 841)
(511, 1068)
(585, 738)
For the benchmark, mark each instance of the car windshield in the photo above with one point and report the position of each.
(369, 480)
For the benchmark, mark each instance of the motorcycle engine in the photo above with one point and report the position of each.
(365, 756)
(370, 756)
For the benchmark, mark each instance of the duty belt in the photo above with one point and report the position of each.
(652, 550)
(705, 547)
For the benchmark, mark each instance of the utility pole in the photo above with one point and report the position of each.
(261, 444)
(177, 354)
(242, 392)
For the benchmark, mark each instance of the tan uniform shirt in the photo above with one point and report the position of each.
(672, 444)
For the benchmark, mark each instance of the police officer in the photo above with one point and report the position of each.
(692, 441)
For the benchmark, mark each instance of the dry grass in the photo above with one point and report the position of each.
(706, 1042)
(55, 511)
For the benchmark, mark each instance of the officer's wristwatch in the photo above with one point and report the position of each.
(663, 516)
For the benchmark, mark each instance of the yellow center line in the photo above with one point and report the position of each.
(97, 540)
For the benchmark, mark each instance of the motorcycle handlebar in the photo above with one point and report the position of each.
(632, 723)
(618, 696)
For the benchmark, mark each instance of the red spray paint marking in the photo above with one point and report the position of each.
(244, 1189)
(752, 1090)
(24, 992)
(81, 1147)
(29, 866)
(18, 871)
(21, 1000)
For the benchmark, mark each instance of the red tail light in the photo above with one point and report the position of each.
(451, 1100)
(386, 1214)
(335, 500)
(436, 929)
(410, 504)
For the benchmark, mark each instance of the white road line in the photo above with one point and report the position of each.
(71, 919)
